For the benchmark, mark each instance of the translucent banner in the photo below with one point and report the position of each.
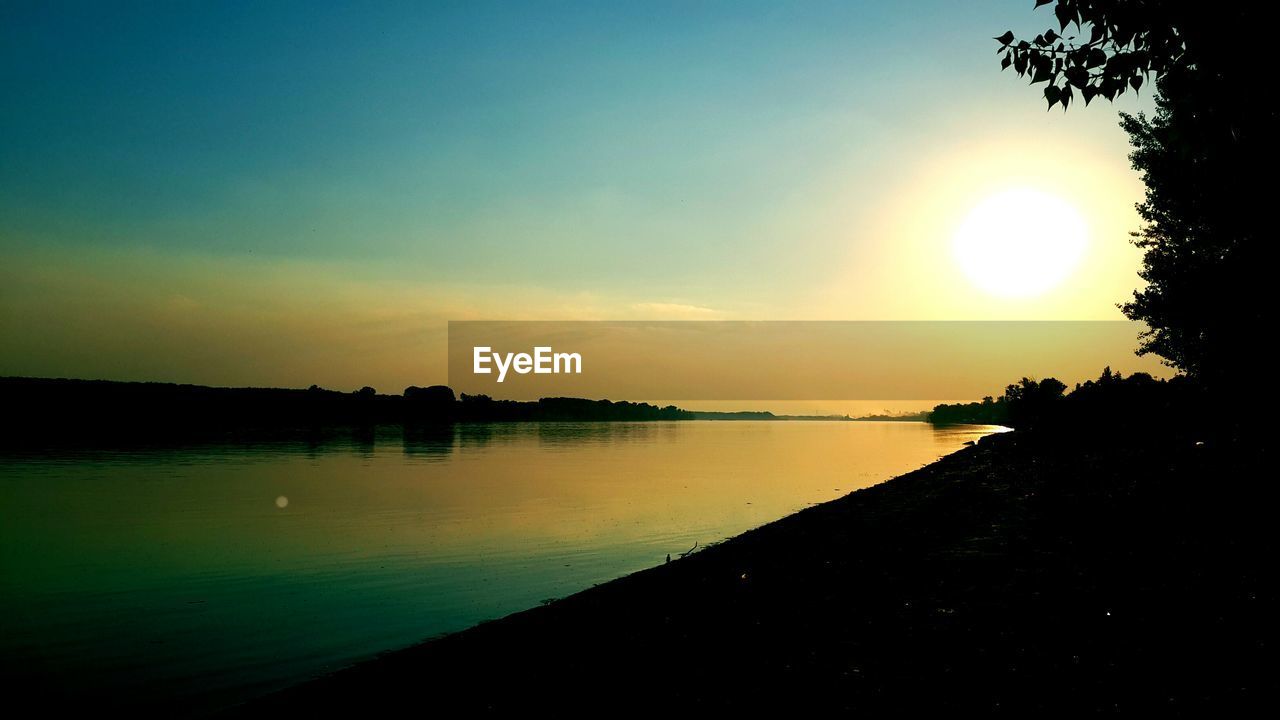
(780, 360)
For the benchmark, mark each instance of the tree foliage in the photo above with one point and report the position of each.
(1205, 156)
(1100, 48)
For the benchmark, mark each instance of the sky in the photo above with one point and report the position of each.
(291, 193)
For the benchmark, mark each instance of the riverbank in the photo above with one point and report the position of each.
(1026, 573)
(69, 412)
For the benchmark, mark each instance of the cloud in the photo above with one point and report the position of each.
(675, 311)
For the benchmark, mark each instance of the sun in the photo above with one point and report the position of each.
(1020, 243)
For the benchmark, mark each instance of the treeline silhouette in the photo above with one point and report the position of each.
(52, 408)
(1136, 402)
(485, 408)
(988, 412)
(101, 408)
(737, 415)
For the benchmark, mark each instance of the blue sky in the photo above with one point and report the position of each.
(721, 155)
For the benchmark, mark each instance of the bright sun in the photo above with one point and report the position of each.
(1020, 243)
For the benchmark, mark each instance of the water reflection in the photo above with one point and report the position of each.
(429, 442)
(173, 573)
(418, 441)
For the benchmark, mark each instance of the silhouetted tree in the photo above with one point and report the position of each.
(988, 412)
(1204, 157)
(430, 403)
(435, 394)
(1205, 224)
(1031, 401)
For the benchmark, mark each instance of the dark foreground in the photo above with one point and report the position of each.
(1019, 575)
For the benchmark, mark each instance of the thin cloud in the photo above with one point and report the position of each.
(675, 311)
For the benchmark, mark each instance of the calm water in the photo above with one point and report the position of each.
(200, 576)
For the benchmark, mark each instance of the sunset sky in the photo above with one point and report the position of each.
(229, 194)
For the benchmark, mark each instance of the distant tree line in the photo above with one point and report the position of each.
(89, 408)
(75, 409)
(1136, 401)
(485, 408)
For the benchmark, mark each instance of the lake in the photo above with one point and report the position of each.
(186, 579)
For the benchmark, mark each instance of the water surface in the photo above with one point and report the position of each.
(190, 578)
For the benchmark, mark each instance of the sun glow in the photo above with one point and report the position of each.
(1020, 243)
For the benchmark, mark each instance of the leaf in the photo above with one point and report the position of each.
(1065, 14)
(1052, 94)
(1136, 82)
(1006, 38)
(1050, 36)
(1005, 62)
(1042, 2)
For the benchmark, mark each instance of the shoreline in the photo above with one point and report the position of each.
(1023, 573)
(70, 411)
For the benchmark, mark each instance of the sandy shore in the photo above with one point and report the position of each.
(1022, 574)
